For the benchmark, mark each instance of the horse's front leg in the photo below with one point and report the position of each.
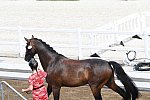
(49, 90)
(56, 92)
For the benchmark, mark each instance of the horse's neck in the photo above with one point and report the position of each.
(44, 59)
(47, 58)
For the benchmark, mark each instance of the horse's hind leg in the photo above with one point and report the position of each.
(117, 89)
(96, 92)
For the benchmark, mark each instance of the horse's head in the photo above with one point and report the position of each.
(30, 49)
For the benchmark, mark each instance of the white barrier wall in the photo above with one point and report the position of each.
(78, 43)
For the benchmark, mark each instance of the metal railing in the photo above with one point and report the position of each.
(7, 92)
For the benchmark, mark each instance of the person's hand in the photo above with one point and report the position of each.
(28, 92)
(23, 90)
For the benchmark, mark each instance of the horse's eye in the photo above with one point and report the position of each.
(30, 47)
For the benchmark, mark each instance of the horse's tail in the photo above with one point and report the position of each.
(129, 85)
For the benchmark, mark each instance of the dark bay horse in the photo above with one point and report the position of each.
(63, 71)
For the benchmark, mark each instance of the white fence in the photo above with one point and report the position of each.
(80, 41)
(77, 42)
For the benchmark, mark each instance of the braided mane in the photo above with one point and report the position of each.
(48, 47)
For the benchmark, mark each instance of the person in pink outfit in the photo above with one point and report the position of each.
(36, 82)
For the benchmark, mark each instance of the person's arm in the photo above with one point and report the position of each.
(30, 88)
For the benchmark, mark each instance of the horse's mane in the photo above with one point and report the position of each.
(48, 47)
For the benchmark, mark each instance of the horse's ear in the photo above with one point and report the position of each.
(32, 36)
(26, 39)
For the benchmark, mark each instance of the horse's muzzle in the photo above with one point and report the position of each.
(27, 58)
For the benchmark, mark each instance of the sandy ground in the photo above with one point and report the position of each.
(81, 14)
(76, 93)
